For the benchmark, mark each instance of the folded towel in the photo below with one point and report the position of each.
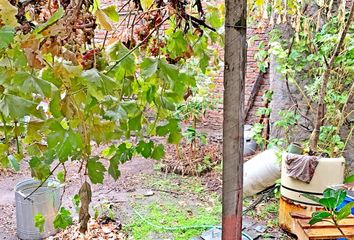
(301, 167)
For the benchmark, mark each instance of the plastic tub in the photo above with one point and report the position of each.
(46, 201)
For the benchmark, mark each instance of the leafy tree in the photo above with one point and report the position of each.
(80, 92)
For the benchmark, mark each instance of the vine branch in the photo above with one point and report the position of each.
(321, 102)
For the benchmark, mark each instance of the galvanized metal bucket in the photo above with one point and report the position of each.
(45, 200)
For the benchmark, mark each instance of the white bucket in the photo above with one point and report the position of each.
(46, 201)
(329, 172)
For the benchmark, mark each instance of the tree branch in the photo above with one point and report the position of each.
(321, 102)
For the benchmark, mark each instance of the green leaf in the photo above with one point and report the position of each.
(344, 211)
(318, 217)
(113, 169)
(134, 123)
(329, 203)
(333, 198)
(7, 35)
(63, 219)
(172, 128)
(61, 176)
(66, 143)
(14, 162)
(146, 4)
(177, 44)
(311, 197)
(76, 201)
(33, 84)
(214, 19)
(174, 137)
(103, 21)
(8, 13)
(168, 72)
(349, 179)
(112, 13)
(95, 170)
(123, 153)
(39, 222)
(39, 168)
(98, 84)
(149, 67)
(104, 131)
(54, 105)
(55, 17)
(17, 107)
(158, 152)
(145, 148)
(116, 52)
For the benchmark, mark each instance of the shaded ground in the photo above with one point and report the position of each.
(147, 202)
(150, 204)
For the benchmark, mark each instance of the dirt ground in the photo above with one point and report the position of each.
(140, 186)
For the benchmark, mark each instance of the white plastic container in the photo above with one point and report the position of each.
(329, 172)
(261, 172)
(249, 145)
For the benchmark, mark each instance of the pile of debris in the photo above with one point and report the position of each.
(100, 229)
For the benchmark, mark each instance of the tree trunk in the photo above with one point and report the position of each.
(234, 77)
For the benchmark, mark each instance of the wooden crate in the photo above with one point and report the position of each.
(294, 218)
(322, 230)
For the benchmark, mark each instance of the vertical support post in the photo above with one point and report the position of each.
(234, 78)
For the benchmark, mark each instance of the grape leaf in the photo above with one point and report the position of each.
(113, 167)
(8, 13)
(7, 35)
(61, 176)
(102, 20)
(149, 67)
(145, 148)
(39, 222)
(116, 52)
(167, 72)
(172, 129)
(146, 4)
(112, 13)
(39, 169)
(177, 44)
(14, 162)
(63, 219)
(66, 143)
(158, 152)
(95, 170)
(29, 83)
(17, 107)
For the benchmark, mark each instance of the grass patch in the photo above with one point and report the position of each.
(174, 182)
(170, 220)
